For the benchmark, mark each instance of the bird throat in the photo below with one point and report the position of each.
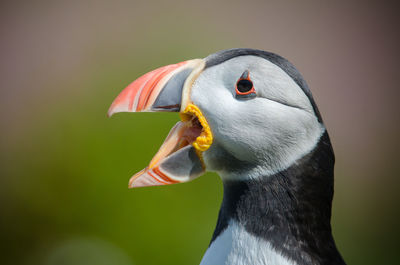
(291, 209)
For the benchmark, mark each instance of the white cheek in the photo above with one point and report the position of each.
(268, 134)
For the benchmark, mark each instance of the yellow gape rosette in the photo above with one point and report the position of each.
(205, 139)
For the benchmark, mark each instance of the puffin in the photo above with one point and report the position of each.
(249, 116)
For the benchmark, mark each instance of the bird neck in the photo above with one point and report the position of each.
(291, 209)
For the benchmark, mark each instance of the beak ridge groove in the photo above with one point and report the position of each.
(158, 90)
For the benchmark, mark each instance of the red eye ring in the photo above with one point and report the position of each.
(244, 86)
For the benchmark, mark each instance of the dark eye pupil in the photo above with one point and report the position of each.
(244, 85)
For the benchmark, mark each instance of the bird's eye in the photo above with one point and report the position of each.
(245, 87)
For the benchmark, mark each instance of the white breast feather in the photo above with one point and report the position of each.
(235, 246)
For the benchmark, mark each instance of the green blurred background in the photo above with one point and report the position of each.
(64, 166)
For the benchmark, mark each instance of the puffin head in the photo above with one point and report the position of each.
(244, 113)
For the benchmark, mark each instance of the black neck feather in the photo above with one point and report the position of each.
(291, 209)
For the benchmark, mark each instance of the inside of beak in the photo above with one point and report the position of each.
(179, 159)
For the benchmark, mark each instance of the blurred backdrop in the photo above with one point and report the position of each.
(64, 166)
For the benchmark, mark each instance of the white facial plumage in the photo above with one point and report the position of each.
(260, 136)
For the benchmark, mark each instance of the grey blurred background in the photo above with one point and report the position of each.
(64, 166)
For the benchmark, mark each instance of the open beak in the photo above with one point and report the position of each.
(167, 88)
